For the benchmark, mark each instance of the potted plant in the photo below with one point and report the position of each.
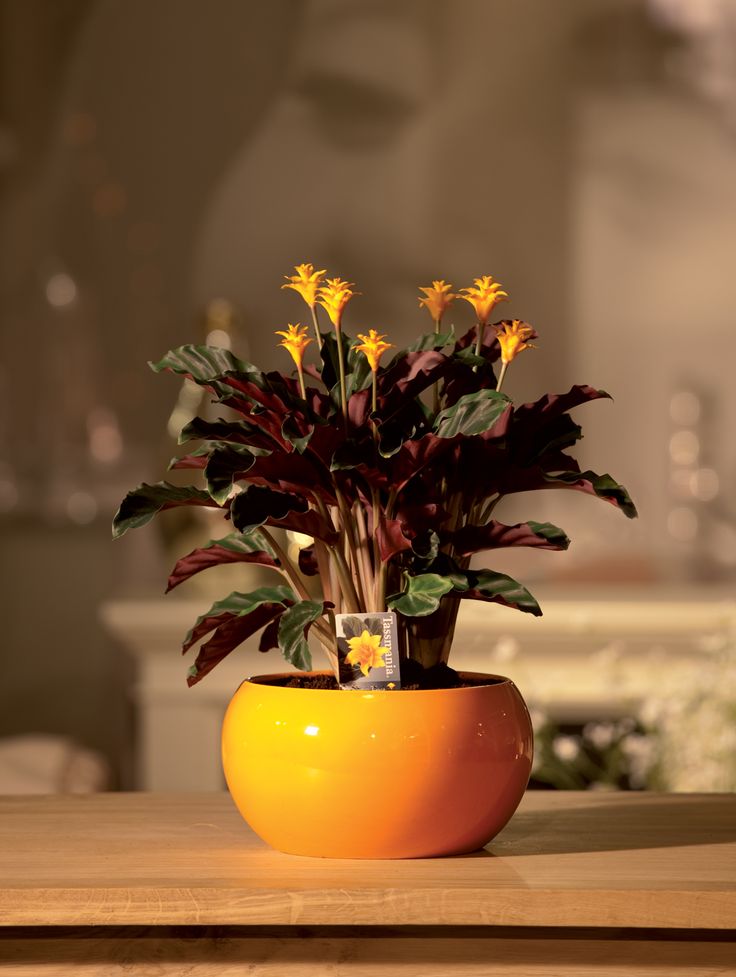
(393, 464)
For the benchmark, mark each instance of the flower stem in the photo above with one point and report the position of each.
(479, 339)
(501, 375)
(341, 366)
(315, 322)
(436, 387)
(300, 371)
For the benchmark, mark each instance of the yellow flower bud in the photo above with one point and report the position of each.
(306, 281)
(513, 339)
(295, 341)
(437, 298)
(333, 297)
(483, 295)
(373, 347)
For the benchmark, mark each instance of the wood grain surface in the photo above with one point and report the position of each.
(565, 860)
(315, 954)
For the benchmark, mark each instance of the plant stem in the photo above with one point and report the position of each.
(479, 340)
(343, 388)
(300, 371)
(352, 547)
(287, 567)
(316, 327)
(364, 556)
(341, 568)
(292, 575)
(323, 563)
(501, 375)
(436, 387)
(380, 568)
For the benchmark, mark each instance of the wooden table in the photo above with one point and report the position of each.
(577, 884)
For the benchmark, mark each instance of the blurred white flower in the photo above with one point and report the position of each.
(566, 747)
(599, 734)
(505, 649)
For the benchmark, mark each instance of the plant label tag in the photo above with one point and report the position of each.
(368, 651)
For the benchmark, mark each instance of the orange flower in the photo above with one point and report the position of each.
(483, 296)
(365, 651)
(334, 296)
(296, 341)
(374, 347)
(306, 282)
(513, 339)
(437, 299)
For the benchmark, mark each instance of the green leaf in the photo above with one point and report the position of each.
(428, 340)
(294, 625)
(141, 505)
(238, 431)
(330, 364)
(227, 463)
(236, 605)
(474, 413)
(290, 432)
(604, 486)
(431, 340)
(499, 588)
(244, 543)
(553, 534)
(358, 371)
(422, 595)
(204, 363)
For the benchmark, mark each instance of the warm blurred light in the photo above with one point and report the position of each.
(218, 337)
(105, 439)
(79, 128)
(61, 290)
(682, 524)
(704, 484)
(92, 169)
(187, 404)
(146, 281)
(684, 447)
(144, 237)
(81, 507)
(506, 648)
(109, 200)
(685, 408)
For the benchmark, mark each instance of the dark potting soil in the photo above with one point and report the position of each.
(413, 677)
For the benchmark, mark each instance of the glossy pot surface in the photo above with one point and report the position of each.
(384, 774)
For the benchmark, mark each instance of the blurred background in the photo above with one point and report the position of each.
(163, 166)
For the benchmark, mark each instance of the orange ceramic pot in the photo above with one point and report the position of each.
(409, 774)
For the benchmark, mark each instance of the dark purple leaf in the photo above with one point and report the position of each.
(228, 636)
(494, 535)
(308, 562)
(235, 548)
